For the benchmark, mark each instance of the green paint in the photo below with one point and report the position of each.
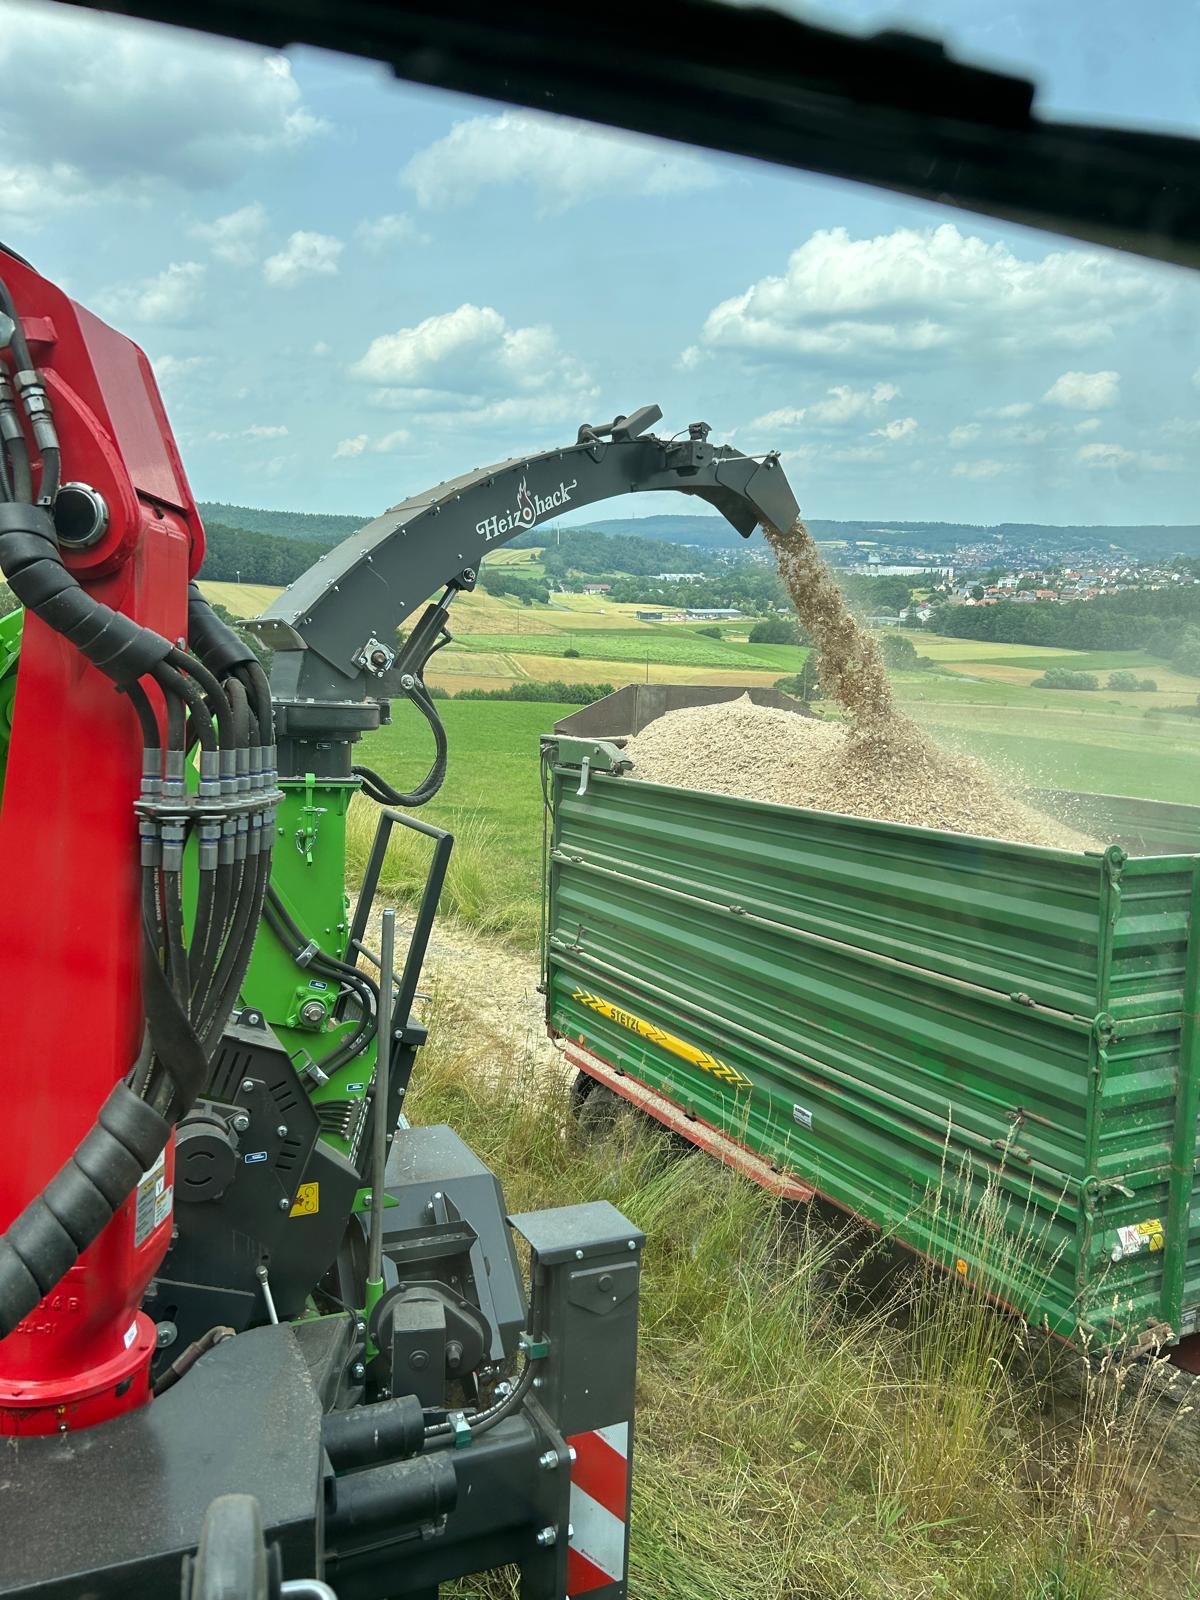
(936, 1029)
(10, 651)
(308, 872)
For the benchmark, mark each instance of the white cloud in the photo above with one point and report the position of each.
(171, 370)
(912, 293)
(842, 404)
(691, 358)
(1088, 425)
(306, 255)
(321, 348)
(1105, 455)
(380, 233)
(980, 469)
(469, 364)
(1019, 408)
(564, 162)
(351, 447)
(235, 237)
(135, 103)
(171, 296)
(1196, 377)
(966, 433)
(1114, 457)
(1084, 391)
(899, 428)
(266, 430)
(1181, 427)
(391, 441)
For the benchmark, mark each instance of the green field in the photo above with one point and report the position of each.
(665, 645)
(492, 797)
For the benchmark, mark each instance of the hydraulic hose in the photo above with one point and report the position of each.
(217, 697)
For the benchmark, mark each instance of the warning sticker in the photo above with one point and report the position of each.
(1131, 1241)
(155, 1198)
(308, 1200)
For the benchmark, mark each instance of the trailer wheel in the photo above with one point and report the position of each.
(598, 1111)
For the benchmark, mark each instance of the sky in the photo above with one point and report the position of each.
(351, 288)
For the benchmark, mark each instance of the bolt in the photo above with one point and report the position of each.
(358, 1372)
(166, 1335)
(285, 1204)
(247, 1085)
(281, 1130)
(604, 1283)
(418, 1360)
(312, 1012)
(572, 1452)
(548, 1460)
(360, 1326)
(539, 1383)
(579, 1255)
(546, 1537)
(633, 1244)
(241, 1122)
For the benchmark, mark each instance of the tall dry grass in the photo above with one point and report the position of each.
(478, 889)
(812, 1427)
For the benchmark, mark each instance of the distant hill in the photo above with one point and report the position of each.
(714, 533)
(312, 527)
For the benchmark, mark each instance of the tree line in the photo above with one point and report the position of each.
(1162, 622)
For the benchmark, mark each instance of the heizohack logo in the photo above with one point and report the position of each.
(528, 509)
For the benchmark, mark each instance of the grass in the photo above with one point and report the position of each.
(491, 801)
(664, 643)
(811, 1427)
(242, 599)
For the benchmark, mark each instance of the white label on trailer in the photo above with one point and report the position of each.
(803, 1117)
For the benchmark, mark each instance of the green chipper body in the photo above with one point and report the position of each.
(988, 1050)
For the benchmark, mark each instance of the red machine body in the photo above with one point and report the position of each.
(71, 1015)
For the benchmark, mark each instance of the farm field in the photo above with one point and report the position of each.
(242, 599)
(977, 697)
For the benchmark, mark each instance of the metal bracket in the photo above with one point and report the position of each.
(306, 833)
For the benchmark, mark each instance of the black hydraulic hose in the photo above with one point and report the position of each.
(133, 1125)
(483, 1420)
(177, 961)
(21, 471)
(207, 687)
(178, 688)
(231, 970)
(187, 1359)
(140, 701)
(365, 990)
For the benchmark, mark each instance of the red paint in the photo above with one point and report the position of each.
(601, 1471)
(694, 1129)
(1186, 1354)
(583, 1575)
(70, 1004)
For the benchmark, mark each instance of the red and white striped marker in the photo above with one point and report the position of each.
(599, 1547)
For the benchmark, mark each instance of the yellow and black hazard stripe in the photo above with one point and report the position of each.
(695, 1057)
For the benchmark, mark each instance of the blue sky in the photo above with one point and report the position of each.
(352, 288)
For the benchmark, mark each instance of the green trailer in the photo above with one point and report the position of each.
(988, 1050)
